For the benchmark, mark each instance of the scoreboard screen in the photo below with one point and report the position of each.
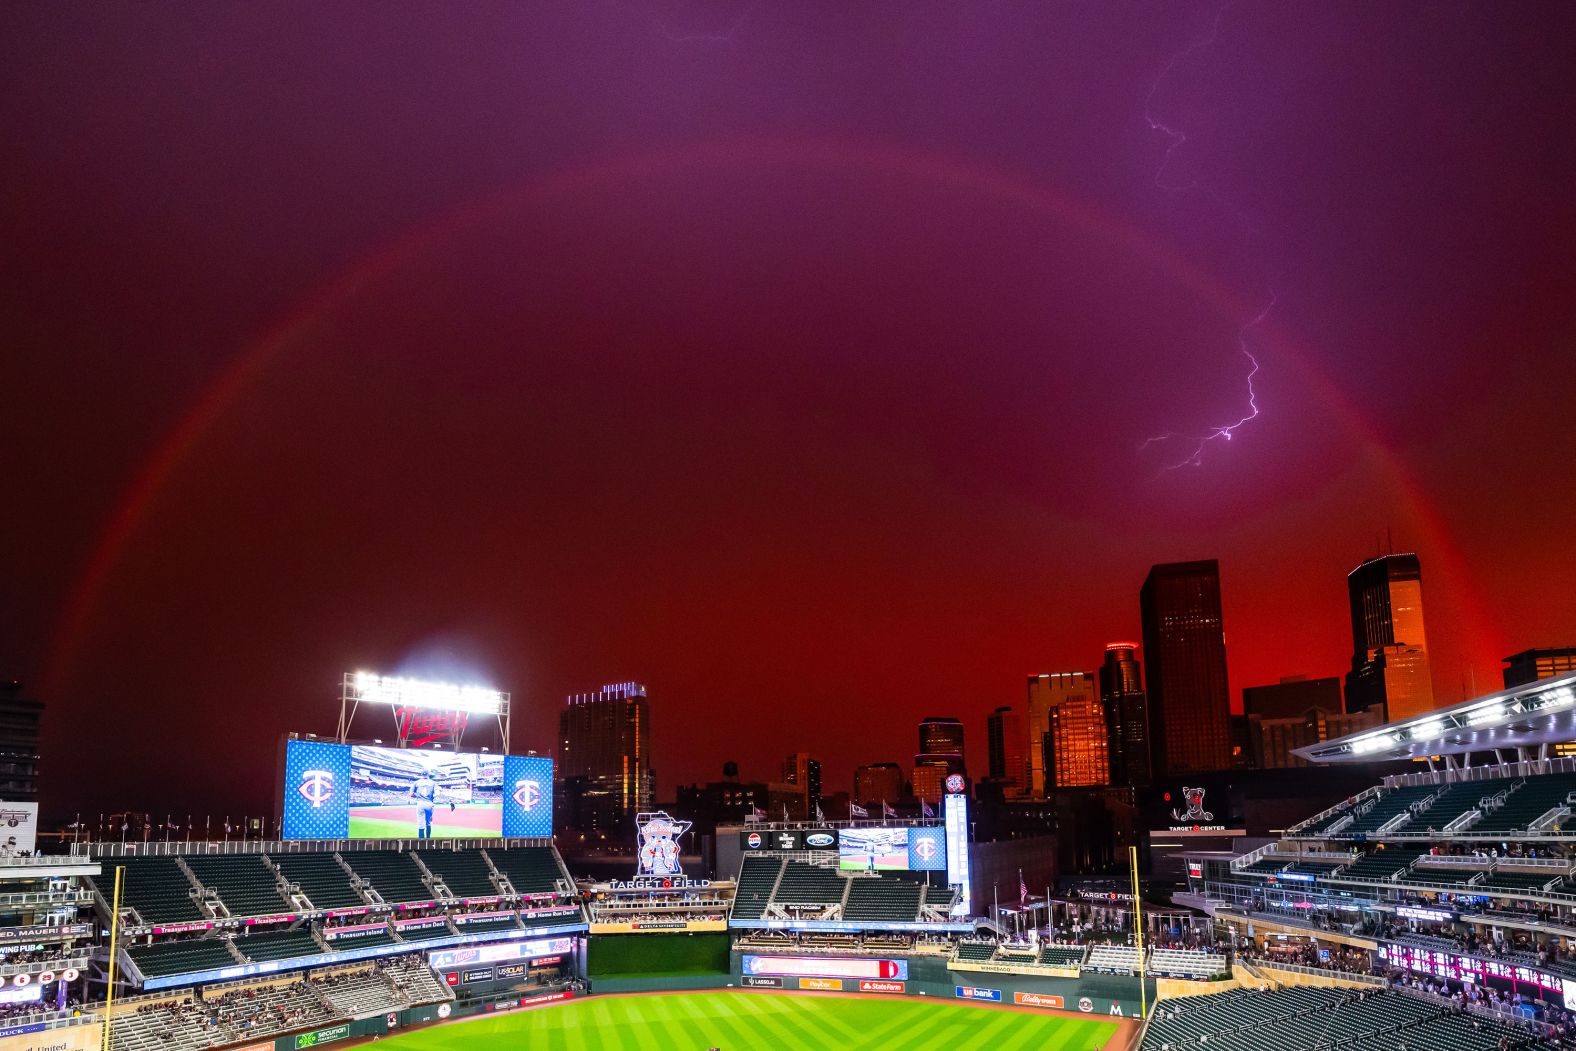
(341, 791)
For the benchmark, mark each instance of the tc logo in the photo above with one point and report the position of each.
(925, 849)
(316, 787)
(527, 793)
(954, 783)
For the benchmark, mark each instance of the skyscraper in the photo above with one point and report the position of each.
(19, 721)
(1185, 648)
(1006, 741)
(1390, 668)
(604, 759)
(1078, 752)
(800, 769)
(1292, 697)
(877, 783)
(1047, 692)
(1532, 665)
(941, 735)
(1126, 714)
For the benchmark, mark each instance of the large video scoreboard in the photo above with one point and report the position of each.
(343, 791)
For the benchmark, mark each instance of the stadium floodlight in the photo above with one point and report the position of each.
(1426, 730)
(370, 688)
(1373, 743)
(1486, 714)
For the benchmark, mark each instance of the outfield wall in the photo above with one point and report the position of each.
(643, 963)
(1099, 994)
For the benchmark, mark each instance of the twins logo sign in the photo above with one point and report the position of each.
(316, 787)
(925, 849)
(527, 793)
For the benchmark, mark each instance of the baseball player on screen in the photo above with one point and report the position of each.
(425, 793)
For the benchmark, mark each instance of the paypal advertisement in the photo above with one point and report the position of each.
(342, 791)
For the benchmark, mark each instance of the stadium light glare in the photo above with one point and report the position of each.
(371, 688)
(1486, 714)
(1427, 730)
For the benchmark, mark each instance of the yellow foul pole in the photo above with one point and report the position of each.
(114, 936)
(1138, 935)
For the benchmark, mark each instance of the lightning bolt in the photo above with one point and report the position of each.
(1225, 431)
(1176, 138)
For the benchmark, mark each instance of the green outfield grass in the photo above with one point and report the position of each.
(465, 821)
(740, 1021)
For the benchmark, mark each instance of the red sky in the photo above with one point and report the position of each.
(798, 370)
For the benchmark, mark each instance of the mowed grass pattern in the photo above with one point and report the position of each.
(742, 1021)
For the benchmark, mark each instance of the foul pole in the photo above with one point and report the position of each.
(1138, 936)
(114, 936)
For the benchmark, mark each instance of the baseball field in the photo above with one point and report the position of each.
(465, 821)
(742, 1021)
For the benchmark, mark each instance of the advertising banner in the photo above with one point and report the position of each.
(1039, 1000)
(18, 827)
(37, 1038)
(322, 1036)
(825, 985)
(974, 992)
(825, 967)
(751, 981)
(883, 987)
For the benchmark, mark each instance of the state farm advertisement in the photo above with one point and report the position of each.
(824, 967)
(883, 987)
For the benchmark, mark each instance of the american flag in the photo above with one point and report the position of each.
(925, 809)
(1023, 889)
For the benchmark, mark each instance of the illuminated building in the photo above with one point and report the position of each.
(604, 758)
(801, 770)
(1006, 740)
(1390, 668)
(1532, 665)
(19, 719)
(878, 782)
(1046, 693)
(1185, 650)
(941, 735)
(1077, 750)
(929, 779)
(1126, 714)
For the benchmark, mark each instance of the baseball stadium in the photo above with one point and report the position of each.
(1431, 911)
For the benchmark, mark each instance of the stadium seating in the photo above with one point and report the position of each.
(805, 884)
(244, 882)
(157, 887)
(1061, 955)
(1531, 800)
(1187, 963)
(1116, 959)
(882, 900)
(529, 870)
(465, 872)
(321, 878)
(183, 957)
(976, 952)
(757, 876)
(1388, 806)
(1453, 803)
(394, 874)
(1377, 865)
(278, 945)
